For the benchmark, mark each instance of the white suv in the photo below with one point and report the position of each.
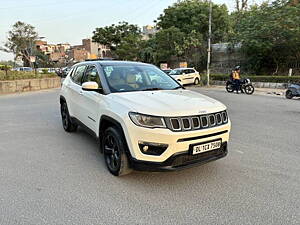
(143, 118)
(186, 75)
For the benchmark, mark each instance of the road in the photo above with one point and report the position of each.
(48, 176)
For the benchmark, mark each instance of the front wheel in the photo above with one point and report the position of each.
(249, 89)
(67, 123)
(114, 146)
(289, 94)
(229, 87)
(197, 81)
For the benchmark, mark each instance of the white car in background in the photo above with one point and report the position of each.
(186, 75)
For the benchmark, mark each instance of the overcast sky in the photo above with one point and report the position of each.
(69, 21)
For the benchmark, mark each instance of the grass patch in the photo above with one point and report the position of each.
(19, 75)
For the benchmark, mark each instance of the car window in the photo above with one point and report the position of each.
(137, 78)
(91, 74)
(77, 75)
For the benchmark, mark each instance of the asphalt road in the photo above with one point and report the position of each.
(48, 176)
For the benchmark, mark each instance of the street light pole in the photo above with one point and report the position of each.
(209, 42)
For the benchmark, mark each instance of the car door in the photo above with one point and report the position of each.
(191, 76)
(185, 76)
(91, 100)
(75, 91)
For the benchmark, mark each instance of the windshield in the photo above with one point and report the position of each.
(138, 78)
(175, 72)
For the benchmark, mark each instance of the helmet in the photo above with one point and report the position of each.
(237, 68)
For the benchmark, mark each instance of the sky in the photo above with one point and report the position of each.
(69, 21)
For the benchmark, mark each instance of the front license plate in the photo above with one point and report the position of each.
(206, 147)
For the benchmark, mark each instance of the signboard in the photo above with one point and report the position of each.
(183, 65)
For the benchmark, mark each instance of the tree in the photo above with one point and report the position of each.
(241, 5)
(192, 15)
(116, 36)
(270, 35)
(21, 41)
(129, 47)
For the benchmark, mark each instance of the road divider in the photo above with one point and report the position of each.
(15, 86)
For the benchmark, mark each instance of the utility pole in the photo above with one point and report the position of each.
(209, 42)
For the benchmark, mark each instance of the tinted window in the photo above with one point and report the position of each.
(91, 74)
(77, 75)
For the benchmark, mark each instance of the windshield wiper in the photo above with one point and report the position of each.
(178, 88)
(152, 89)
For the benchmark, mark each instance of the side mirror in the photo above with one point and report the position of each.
(91, 86)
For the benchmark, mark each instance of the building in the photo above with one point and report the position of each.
(65, 52)
(88, 50)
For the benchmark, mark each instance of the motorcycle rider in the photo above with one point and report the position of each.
(236, 78)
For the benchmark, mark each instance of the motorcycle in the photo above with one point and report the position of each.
(245, 86)
(293, 91)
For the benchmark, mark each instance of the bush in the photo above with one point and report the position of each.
(18, 75)
(271, 79)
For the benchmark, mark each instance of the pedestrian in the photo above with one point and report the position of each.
(236, 77)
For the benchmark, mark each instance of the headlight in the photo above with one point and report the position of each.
(147, 121)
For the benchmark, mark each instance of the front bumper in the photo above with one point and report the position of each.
(178, 142)
(180, 160)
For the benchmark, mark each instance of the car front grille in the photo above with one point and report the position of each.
(189, 123)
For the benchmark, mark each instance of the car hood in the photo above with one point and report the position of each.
(168, 102)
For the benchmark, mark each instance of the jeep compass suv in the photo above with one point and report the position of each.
(144, 119)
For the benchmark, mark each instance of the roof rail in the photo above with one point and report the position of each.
(100, 59)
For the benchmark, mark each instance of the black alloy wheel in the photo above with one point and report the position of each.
(68, 125)
(249, 89)
(114, 145)
(229, 88)
(289, 94)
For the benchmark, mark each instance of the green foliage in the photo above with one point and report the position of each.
(192, 16)
(129, 47)
(20, 41)
(265, 78)
(18, 75)
(270, 35)
(117, 36)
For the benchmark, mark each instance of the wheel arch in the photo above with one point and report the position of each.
(62, 99)
(107, 121)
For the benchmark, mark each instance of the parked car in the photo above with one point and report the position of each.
(167, 71)
(142, 123)
(186, 75)
(293, 91)
(25, 69)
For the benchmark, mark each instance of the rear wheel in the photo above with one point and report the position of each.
(289, 94)
(67, 123)
(229, 87)
(114, 149)
(196, 82)
(249, 89)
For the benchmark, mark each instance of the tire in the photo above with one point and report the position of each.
(197, 81)
(229, 88)
(289, 94)
(67, 123)
(114, 151)
(249, 89)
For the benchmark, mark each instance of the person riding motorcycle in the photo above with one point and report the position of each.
(236, 78)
